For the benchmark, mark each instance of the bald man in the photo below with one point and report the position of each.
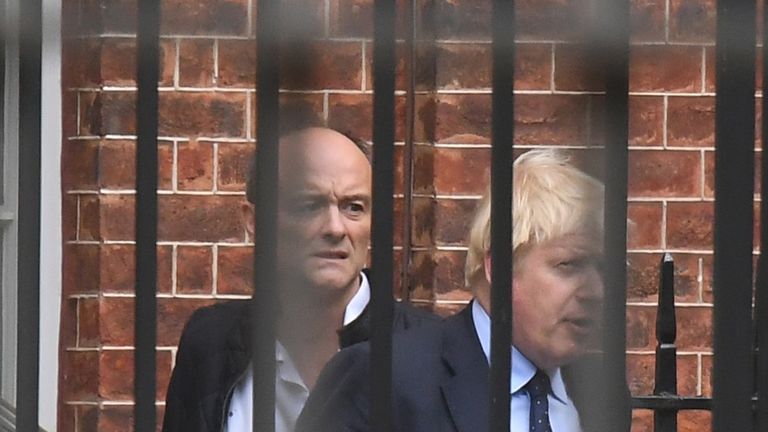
(324, 224)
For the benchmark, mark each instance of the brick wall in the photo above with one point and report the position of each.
(207, 127)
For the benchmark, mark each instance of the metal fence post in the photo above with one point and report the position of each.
(28, 331)
(734, 177)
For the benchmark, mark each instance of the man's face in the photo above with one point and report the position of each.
(557, 299)
(324, 210)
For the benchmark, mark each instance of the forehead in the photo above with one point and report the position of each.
(323, 157)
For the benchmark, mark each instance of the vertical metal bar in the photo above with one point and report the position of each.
(761, 283)
(148, 62)
(28, 333)
(382, 218)
(734, 177)
(614, 23)
(666, 350)
(264, 305)
(408, 151)
(502, 140)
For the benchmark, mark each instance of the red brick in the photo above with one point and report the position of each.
(648, 20)
(691, 121)
(302, 19)
(692, 20)
(324, 65)
(640, 373)
(353, 113)
(687, 374)
(709, 174)
(118, 268)
(449, 276)
(90, 218)
(195, 166)
(234, 162)
(694, 421)
(550, 120)
(689, 225)
(202, 17)
(237, 63)
(424, 169)
(80, 378)
(697, 336)
(87, 418)
(665, 68)
(117, 371)
(118, 113)
(646, 121)
(464, 118)
(452, 220)
(194, 274)
(199, 218)
(664, 173)
(235, 270)
(421, 276)
(117, 322)
(423, 221)
(77, 257)
(68, 324)
(577, 69)
(463, 66)
(687, 275)
(425, 68)
(117, 16)
(202, 114)
(641, 322)
(354, 18)
(196, 63)
(118, 62)
(89, 113)
(117, 164)
(117, 217)
(88, 334)
(706, 375)
(645, 226)
(549, 19)
(66, 419)
(643, 276)
(709, 69)
(79, 159)
(642, 420)
(80, 62)
(69, 208)
(461, 170)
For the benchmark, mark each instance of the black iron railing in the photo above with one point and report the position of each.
(740, 383)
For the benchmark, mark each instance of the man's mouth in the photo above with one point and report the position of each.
(332, 254)
(582, 324)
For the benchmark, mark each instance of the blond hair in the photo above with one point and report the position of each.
(550, 198)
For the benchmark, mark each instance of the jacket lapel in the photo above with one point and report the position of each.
(466, 389)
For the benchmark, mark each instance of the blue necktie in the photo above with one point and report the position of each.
(538, 389)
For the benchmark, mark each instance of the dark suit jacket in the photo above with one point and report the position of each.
(215, 351)
(439, 383)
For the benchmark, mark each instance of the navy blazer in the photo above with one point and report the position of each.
(439, 383)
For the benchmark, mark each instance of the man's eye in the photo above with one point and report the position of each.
(354, 208)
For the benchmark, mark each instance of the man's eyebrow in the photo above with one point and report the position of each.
(358, 197)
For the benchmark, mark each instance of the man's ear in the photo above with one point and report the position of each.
(248, 217)
(487, 266)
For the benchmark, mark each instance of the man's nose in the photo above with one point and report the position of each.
(592, 288)
(334, 224)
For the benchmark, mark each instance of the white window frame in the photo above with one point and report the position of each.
(51, 228)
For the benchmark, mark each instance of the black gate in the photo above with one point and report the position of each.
(739, 401)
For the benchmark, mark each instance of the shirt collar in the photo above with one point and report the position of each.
(286, 370)
(522, 368)
(359, 301)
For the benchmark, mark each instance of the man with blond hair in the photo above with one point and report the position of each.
(440, 373)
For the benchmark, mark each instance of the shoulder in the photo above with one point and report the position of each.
(209, 327)
(406, 316)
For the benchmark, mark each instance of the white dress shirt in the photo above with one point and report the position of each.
(563, 416)
(290, 391)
